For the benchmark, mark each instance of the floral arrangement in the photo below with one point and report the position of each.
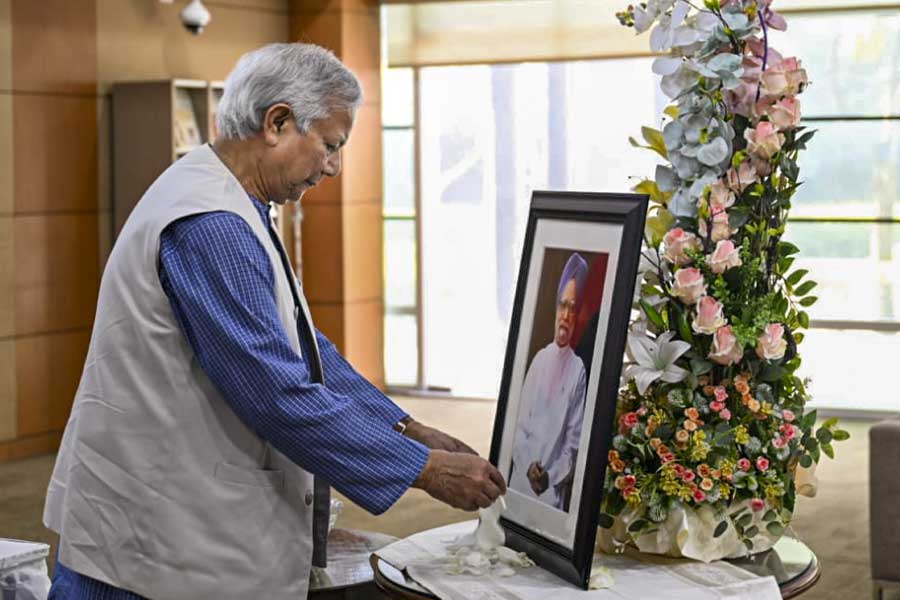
(711, 415)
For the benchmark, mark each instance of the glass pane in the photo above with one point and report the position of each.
(846, 368)
(857, 267)
(489, 136)
(400, 264)
(852, 169)
(852, 58)
(400, 349)
(399, 173)
(397, 101)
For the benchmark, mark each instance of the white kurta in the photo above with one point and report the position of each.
(551, 410)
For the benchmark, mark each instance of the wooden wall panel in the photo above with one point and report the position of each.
(363, 240)
(54, 46)
(55, 141)
(7, 279)
(323, 256)
(362, 158)
(57, 272)
(48, 368)
(8, 404)
(6, 154)
(5, 45)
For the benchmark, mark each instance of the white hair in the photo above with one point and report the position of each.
(308, 78)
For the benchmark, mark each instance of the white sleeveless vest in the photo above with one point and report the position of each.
(158, 487)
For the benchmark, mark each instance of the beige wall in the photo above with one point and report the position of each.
(58, 59)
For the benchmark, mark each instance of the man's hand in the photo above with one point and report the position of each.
(538, 478)
(435, 439)
(461, 480)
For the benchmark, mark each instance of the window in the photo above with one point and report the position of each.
(489, 134)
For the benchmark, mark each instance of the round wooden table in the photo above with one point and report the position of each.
(790, 561)
(348, 575)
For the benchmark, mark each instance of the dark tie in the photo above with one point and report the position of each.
(321, 489)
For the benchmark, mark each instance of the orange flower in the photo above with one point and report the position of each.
(618, 466)
(655, 443)
(663, 449)
(742, 387)
(703, 470)
(613, 455)
(689, 425)
(708, 390)
(683, 436)
(706, 484)
(692, 413)
(703, 380)
(716, 473)
(753, 405)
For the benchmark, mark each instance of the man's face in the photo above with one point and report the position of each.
(300, 161)
(565, 315)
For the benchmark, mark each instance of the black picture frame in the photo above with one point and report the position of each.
(628, 210)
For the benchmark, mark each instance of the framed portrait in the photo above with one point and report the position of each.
(555, 416)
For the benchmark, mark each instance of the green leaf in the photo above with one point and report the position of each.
(809, 419)
(805, 288)
(744, 520)
(653, 315)
(685, 330)
(830, 423)
(796, 276)
(606, 521)
(803, 317)
(737, 217)
(672, 111)
(638, 525)
(700, 366)
(806, 461)
(840, 435)
(785, 263)
(828, 450)
(775, 529)
(824, 436)
(654, 137)
(751, 531)
(770, 515)
(808, 301)
(771, 373)
(787, 248)
(720, 529)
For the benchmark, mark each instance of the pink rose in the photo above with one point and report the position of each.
(742, 177)
(716, 406)
(721, 394)
(785, 113)
(725, 414)
(725, 347)
(689, 285)
(699, 496)
(757, 504)
(724, 257)
(764, 141)
(774, 82)
(744, 464)
(771, 344)
(721, 230)
(720, 197)
(630, 481)
(688, 475)
(709, 315)
(796, 76)
(762, 463)
(629, 420)
(667, 457)
(787, 415)
(779, 442)
(678, 240)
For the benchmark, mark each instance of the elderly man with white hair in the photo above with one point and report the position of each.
(551, 404)
(211, 415)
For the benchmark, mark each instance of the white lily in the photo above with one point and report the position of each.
(654, 359)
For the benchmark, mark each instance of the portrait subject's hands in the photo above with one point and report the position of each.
(435, 439)
(538, 478)
(463, 481)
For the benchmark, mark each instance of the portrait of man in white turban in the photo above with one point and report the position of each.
(551, 406)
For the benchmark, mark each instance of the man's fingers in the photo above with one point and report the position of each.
(464, 448)
(492, 491)
(497, 479)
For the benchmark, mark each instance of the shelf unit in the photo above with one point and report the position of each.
(154, 124)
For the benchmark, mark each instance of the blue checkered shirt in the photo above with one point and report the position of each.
(220, 283)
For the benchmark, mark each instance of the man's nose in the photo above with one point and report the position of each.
(333, 164)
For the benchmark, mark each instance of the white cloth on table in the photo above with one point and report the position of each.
(633, 576)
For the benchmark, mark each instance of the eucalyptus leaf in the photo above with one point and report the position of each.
(638, 525)
(721, 528)
(806, 461)
(840, 435)
(775, 529)
(606, 521)
(828, 450)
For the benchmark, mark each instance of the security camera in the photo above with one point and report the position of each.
(195, 17)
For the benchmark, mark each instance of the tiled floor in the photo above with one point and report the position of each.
(835, 524)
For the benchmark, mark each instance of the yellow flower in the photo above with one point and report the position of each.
(634, 498)
(741, 435)
(700, 451)
(724, 491)
(773, 493)
(767, 408)
(700, 435)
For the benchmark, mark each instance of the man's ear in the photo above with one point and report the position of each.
(277, 118)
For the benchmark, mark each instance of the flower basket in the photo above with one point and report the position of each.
(712, 413)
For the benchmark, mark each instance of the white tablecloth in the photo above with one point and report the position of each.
(634, 576)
